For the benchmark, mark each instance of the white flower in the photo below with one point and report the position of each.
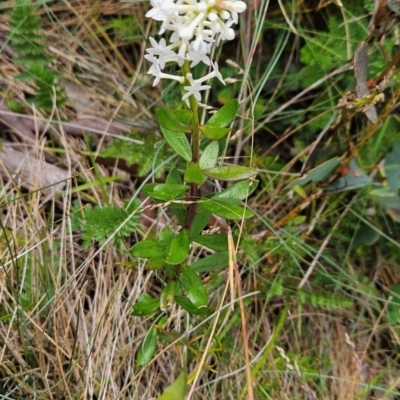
(194, 89)
(195, 26)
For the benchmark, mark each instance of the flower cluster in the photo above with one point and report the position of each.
(196, 26)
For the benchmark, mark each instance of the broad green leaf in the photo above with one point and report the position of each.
(365, 234)
(187, 305)
(317, 174)
(230, 173)
(237, 192)
(213, 262)
(179, 249)
(217, 242)
(194, 287)
(176, 391)
(184, 116)
(145, 306)
(168, 120)
(179, 142)
(179, 211)
(167, 295)
(166, 235)
(149, 248)
(225, 115)
(193, 174)
(209, 157)
(149, 188)
(200, 221)
(225, 209)
(392, 167)
(167, 192)
(353, 177)
(148, 348)
(214, 132)
(174, 177)
(155, 263)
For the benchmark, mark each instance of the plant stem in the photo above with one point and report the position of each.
(195, 142)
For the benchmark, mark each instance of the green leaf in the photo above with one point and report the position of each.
(179, 249)
(225, 209)
(187, 305)
(177, 390)
(164, 191)
(184, 116)
(149, 248)
(209, 157)
(200, 221)
(174, 177)
(166, 235)
(392, 167)
(148, 348)
(213, 262)
(145, 306)
(317, 174)
(237, 192)
(194, 287)
(169, 121)
(214, 132)
(179, 211)
(230, 173)
(353, 177)
(179, 142)
(167, 192)
(365, 234)
(217, 242)
(167, 295)
(193, 174)
(225, 115)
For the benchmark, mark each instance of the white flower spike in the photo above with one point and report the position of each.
(195, 27)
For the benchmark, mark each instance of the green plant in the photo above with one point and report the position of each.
(26, 39)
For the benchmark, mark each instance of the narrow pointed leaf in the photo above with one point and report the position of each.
(148, 348)
(209, 157)
(187, 305)
(213, 262)
(145, 306)
(230, 173)
(200, 221)
(174, 177)
(353, 177)
(237, 192)
(149, 249)
(179, 249)
(177, 390)
(225, 209)
(168, 120)
(193, 287)
(167, 295)
(225, 115)
(167, 192)
(217, 242)
(179, 142)
(184, 116)
(317, 174)
(214, 132)
(193, 174)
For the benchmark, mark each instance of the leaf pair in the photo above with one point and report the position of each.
(173, 251)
